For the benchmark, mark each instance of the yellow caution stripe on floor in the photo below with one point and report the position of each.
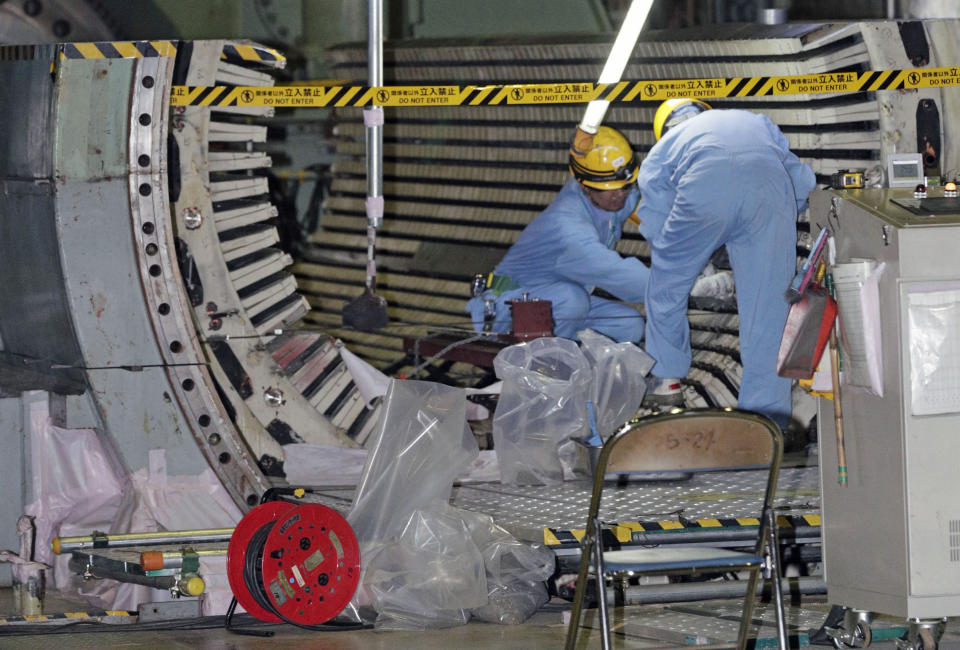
(624, 532)
(66, 615)
(117, 50)
(566, 92)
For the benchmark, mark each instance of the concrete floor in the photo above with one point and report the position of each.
(647, 627)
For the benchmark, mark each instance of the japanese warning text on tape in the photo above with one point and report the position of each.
(562, 92)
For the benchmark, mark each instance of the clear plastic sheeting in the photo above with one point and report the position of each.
(618, 384)
(306, 464)
(425, 563)
(515, 572)
(327, 465)
(542, 404)
(76, 490)
(421, 444)
(431, 576)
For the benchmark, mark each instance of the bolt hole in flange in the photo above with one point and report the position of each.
(61, 28)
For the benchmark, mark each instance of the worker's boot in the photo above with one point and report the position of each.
(663, 392)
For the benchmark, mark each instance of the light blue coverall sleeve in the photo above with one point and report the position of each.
(584, 260)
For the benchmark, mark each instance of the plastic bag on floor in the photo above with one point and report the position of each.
(515, 572)
(546, 384)
(618, 384)
(421, 444)
(513, 602)
(430, 576)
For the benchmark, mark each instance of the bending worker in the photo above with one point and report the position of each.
(721, 178)
(567, 251)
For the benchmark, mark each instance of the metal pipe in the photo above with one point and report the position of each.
(694, 591)
(159, 560)
(115, 540)
(373, 115)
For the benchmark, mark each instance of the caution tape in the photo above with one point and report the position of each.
(625, 532)
(563, 92)
(253, 52)
(118, 50)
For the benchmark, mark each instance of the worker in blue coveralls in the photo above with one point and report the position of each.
(721, 178)
(567, 251)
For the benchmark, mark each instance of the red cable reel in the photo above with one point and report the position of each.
(294, 563)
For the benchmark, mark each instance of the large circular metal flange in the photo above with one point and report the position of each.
(311, 564)
(254, 520)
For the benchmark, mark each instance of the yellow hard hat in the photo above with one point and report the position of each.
(608, 164)
(674, 111)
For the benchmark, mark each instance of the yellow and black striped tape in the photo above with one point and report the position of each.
(253, 53)
(624, 531)
(118, 49)
(66, 615)
(563, 92)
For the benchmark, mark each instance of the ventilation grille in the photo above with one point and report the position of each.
(955, 540)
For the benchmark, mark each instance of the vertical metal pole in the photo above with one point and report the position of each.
(774, 550)
(600, 570)
(373, 121)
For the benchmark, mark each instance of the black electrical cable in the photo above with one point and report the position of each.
(228, 623)
(253, 569)
(77, 627)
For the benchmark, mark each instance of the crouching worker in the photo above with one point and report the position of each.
(567, 251)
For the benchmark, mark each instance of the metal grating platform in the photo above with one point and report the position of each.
(537, 512)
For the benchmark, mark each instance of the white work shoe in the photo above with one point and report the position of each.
(662, 392)
(717, 285)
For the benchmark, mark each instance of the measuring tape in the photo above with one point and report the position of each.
(562, 92)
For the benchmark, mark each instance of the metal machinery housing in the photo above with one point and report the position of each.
(901, 446)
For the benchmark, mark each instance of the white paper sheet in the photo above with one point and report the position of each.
(858, 299)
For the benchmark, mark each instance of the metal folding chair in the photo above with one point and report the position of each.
(696, 440)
